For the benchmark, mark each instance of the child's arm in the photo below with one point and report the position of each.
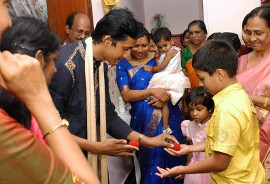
(169, 55)
(216, 163)
(185, 149)
(189, 155)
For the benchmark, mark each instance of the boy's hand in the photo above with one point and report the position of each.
(183, 151)
(175, 171)
(147, 68)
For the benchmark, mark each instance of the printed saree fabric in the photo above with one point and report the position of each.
(24, 159)
(34, 8)
(147, 120)
(186, 63)
(186, 56)
(256, 81)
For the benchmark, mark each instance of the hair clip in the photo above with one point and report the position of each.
(22, 46)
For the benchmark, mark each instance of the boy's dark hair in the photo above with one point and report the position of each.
(215, 55)
(199, 95)
(119, 23)
(70, 19)
(263, 12)
(200, 23)
(162, 33)
(230, 38)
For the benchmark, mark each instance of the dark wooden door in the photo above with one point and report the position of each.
(58, 11)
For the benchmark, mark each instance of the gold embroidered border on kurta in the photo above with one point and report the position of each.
(70, 64)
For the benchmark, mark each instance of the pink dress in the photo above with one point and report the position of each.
(197, 134)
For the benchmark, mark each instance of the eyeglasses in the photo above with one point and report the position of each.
(80, 32)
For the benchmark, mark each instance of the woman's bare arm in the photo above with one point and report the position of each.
(22, 76)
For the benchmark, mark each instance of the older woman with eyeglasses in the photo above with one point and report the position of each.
(254, 74)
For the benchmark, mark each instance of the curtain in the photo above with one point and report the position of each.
(34, 8)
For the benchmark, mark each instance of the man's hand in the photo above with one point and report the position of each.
(113, 147)
(164, 140)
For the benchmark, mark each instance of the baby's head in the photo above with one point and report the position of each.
(163, 39)
(200, 104)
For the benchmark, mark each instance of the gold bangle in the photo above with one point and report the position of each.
(265, 102)
(64, 124)
(140, 138)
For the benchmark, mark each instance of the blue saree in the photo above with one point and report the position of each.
(147, 120)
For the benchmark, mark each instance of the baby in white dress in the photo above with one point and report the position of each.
(168, 73)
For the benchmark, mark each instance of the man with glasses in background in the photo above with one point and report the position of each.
(77, 27)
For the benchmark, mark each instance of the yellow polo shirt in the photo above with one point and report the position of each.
(234, 130)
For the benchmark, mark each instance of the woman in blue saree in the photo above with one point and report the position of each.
(145, 111)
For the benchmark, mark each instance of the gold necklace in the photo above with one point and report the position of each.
(134, 63)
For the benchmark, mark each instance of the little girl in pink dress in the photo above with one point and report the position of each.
(201, 106)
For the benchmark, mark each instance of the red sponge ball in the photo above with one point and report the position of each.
(176, 147)
(134, 143)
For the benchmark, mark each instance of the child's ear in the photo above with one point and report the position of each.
(220, 74)
(107, 40)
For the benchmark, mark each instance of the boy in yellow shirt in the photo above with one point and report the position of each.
(232, 147)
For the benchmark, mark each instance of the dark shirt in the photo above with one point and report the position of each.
(68, 90)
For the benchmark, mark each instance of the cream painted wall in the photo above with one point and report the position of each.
(227, 15)
(178, 13)
(97, 10)
(136, 6)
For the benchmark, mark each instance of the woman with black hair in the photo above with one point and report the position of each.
(31, 37)
(197, 34)
(253, 73)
